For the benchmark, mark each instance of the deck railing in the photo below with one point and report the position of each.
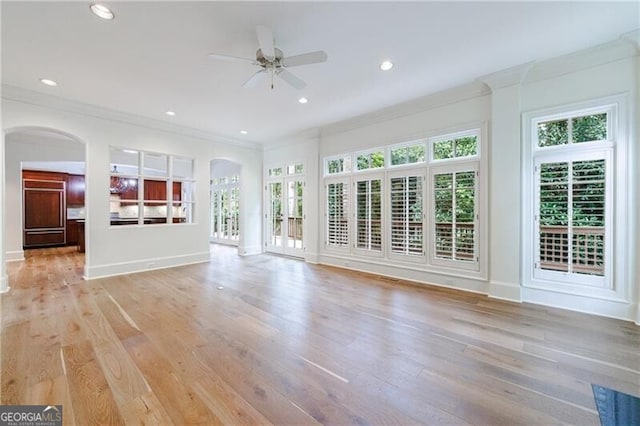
(587, 246)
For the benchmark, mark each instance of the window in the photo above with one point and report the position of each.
(407, 154)
(337, 214)
(458, 145)
(406, 206)
(573, 201)
(274, 171)
(454, 221)
(396, 215)
(150, 188)
(370, 160)
(295, 169)
(572, 215)
(369, 214)
(341, 164)
(574, 129)
(182, 190)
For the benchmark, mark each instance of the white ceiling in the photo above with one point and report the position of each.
(153, 56)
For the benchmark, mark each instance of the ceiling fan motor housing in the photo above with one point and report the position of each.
(270, 63)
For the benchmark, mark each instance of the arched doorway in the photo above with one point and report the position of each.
(56, 161)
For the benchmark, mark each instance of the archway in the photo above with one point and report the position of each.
(56, 155)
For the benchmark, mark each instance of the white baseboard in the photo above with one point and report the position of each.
(588, 305)
(4, 284)
(408, 273)
(14, 256)
(102, 271)
(311, 258)
(505, 291)
(249, 250)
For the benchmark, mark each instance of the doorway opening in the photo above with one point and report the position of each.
(225, 202)
(45, 192)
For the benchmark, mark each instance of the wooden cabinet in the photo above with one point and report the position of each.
(75, 190)
(129, 188)
(44, 209)
(177, 191)
(155, 190)
(72, 232)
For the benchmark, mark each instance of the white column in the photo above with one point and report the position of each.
(505, 184)
(4, 282)
(250, 209)
(633, 38)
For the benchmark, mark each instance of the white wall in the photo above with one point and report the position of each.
(605, 73)
(21, 147)
(222, 168)
(114, 250)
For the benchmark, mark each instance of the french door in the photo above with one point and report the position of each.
(285, 216)
(225, 213)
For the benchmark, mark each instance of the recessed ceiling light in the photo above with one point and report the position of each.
(244, 132)
(171, 113)
(102, 11)
(386, 65)
(303, 100)
(48, 82)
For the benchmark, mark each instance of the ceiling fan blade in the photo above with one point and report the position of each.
(253, 80)
(290, 78)
(265, 40)
(232, 58)
(305, 59)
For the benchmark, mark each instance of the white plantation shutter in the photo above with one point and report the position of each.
(455, 215)
(571, 216)
(369, 214)
(406, 215)
(338, 214)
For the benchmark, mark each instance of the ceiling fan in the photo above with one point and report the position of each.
(272, 61)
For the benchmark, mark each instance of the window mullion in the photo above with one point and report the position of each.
(454, 198)
(570, 217)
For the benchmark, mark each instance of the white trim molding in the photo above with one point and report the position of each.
(14, 256)
(505, 291)
(109, 270)
(578, 303)
(249, 250)
(4, 284)
(18, 94)
(507, 77)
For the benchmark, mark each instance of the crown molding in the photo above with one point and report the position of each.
(622, 48)
(507, 77)
(632, 37)
(18, 94)
(453, 95)
(303, 137)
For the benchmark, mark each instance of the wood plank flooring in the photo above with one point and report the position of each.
(291, 343)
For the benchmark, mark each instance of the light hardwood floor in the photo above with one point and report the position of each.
(291, 343)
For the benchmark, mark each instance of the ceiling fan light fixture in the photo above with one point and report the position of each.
(303, 100)
(386, 65)
(48, 82)
(102, 11)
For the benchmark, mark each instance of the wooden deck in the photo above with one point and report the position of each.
(291, 343)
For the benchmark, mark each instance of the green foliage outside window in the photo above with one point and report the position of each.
(454, 148)
(587, 128)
